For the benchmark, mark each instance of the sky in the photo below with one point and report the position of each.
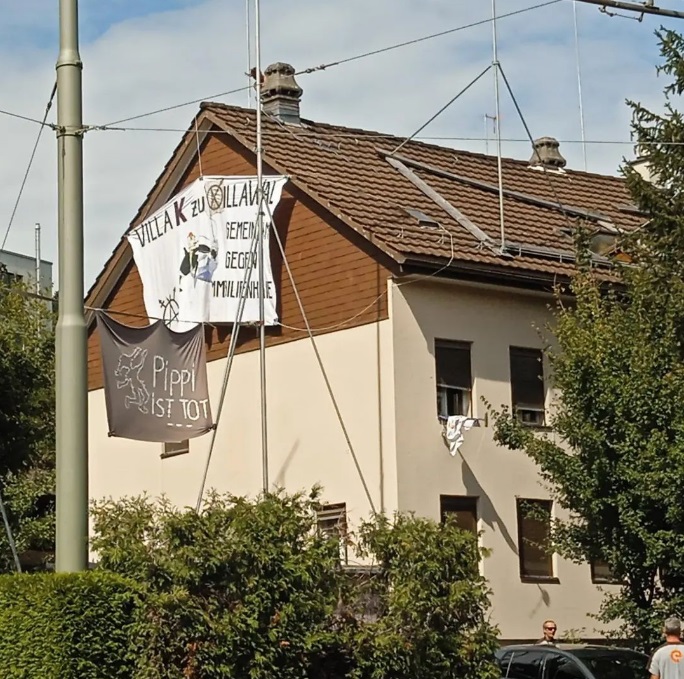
(143, 55)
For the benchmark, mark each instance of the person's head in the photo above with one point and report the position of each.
(673, 628)
(549, 628)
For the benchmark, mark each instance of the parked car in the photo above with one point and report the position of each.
(571, 661)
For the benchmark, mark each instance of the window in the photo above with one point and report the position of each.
(8, 278)
(522, 665)
(173, 449)
(601, 572)
(454, 379)
(331, 520)
(527, 385)
(561, 667)
(534, 532)
(463, 508)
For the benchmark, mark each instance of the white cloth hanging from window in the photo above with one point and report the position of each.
(456, 426)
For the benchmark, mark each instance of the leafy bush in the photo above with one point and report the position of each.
(66, 626)
(252, 589)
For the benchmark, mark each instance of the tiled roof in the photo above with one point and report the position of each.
(348, 170)
(353, 173)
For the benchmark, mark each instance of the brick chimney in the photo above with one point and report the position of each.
(546, 154)
(280, 93)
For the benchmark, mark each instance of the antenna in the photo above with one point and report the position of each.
(38, 288)
(248, 29)
(488, 117)
(579, 84)
(495, 64)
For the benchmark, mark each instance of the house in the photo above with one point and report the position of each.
(20, 267)
(422, 299)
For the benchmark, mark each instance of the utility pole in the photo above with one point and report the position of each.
(647, 8)
(71, 350)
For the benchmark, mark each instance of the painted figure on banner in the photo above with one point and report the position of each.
(128, 374)
(194, 252)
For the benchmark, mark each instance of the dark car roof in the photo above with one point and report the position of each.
(565, 648)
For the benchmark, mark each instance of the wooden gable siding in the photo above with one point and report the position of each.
(340, 282)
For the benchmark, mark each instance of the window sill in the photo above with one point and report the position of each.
(173, 453)
(537, 427)
(540, 579)
(606, 581)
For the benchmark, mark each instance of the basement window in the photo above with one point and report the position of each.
(601, 572)
(174, 449)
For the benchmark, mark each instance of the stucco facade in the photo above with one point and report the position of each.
(383, 376)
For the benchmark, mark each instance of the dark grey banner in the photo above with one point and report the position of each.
(155, 381)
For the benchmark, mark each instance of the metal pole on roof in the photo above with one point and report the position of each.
(579, 84)
(261, 234)
(38, 288)
(71, 337)
(248, 27)
(495, 64)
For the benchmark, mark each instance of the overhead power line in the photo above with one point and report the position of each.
(27, 118)
(30, 162)
(415, 41)
(331, 64)
(386, 135)
(641, 8)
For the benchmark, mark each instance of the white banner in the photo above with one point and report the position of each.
(192, 254)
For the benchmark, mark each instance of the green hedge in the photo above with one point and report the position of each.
(64, 626)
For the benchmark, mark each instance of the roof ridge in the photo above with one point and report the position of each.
(362, 132)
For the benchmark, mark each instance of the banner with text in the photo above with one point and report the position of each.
(192, 254)
(155, 381)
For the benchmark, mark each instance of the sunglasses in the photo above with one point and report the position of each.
(551, 629)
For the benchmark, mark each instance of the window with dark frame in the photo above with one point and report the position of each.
(528, 395)
(454, 378)
(463, 508)
(172, 449)
(534, 533)
(331, 520)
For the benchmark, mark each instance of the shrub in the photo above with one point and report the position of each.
(66, 626)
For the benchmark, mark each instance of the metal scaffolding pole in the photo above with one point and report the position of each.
(261, 234)
(71, 356)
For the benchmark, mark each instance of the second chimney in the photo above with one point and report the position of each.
(280, 93)
(546, 154)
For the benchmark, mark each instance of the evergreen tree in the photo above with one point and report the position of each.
(617, 355)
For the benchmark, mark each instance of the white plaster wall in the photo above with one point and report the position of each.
(306, 444)
(492, 320)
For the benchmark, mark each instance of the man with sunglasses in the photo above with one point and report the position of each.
(549, 629)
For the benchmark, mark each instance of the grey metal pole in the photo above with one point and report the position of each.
(499, 169)
(71, 352)
(38, 288)
(261, 236)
